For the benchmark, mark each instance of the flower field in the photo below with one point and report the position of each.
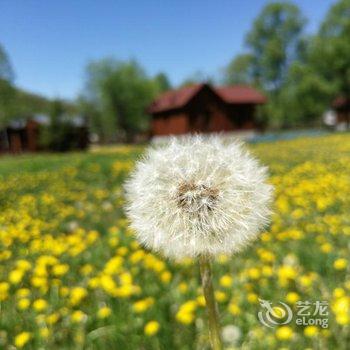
(73, 277)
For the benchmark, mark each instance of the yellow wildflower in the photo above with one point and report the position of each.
(104, 312)
(340, 264)
(23, 304)
(292, 297)
(310, 331)
(151, 328)
(22, 339)
(39, 305)
(284, 333)
(226, 281)
(78, 316)
(143, 305)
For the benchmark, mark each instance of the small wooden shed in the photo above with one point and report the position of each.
(205, 109)
(341, 106)
(20, 136)
(23, 135)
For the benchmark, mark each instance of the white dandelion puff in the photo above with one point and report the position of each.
(198, 197)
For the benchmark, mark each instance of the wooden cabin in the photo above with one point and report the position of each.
(20, 136)
(204, 109)
(24, 135)
(341, 106)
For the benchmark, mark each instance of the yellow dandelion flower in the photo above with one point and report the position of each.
(78, 316)
(284, 333)
(338, 292)
(185, 317)
(23, 304)
(16, 276)
(234, 309)
(44, 332)
(151, 328)
(326, 248)
(252, 298)
(292, 297)
(201, 300)
(77, 294)
(22, 339)
(143, 305)
(60, 269)
(86, 269)
(310, 331)
(226, 281)
(23, 265)
(340, 264)
(23, 293)
(165, 277)
(220, 296)
(40, 305)
(254, 273)
(53, 318)
(104, 312)
(4, 289)
(183, 287)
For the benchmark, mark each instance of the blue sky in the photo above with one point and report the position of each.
(50, 42)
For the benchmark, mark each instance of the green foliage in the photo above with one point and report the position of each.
(60, 135)
(300, 75)
(7, 92)
(240, 71)
(7, 101)
(331, 54)
(6, 71)
(274, 42)
(120, 92)
(162, 82)
(324, 70)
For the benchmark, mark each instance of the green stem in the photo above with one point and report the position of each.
(208, 290)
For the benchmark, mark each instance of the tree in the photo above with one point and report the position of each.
(323, 71)
(274, 43)
(121, 91)
(303, 98)
(331, 54)
(240, 71)
(7, 91)
(162, 82)
(6, 71)
(60, 134)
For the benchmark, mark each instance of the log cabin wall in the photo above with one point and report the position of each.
(175, 123)
(205, 110)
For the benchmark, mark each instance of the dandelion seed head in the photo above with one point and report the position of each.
(198, 196)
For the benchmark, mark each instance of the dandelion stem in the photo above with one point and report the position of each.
(208, 290)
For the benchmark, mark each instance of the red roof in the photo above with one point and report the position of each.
(174, 98)
(230, 94)
(240, 94)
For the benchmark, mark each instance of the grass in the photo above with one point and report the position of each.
(73, 277)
